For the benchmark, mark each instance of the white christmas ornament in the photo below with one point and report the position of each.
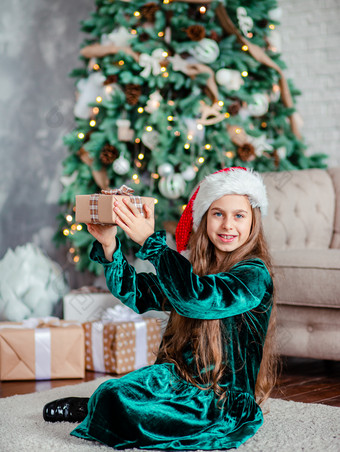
(172, 187)
(150, 139)
(121, 165)
(275, 14)
(189, 174)
(206, 51)
(120, 37)
(229, 78)
(282, 152)
(154, 102)
(165, 169)
(259, 105)
(151, 63)
(245, 22)
(89, 89)
(260, 144)
(275, 41)
(125, 133)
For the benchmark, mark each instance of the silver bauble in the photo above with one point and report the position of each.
(165, 169)
(121, 166)
(172, 187)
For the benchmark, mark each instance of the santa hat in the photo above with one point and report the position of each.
(228, 181)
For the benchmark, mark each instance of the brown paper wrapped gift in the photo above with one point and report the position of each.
(120, 347)
(40, 349)
(98, 207)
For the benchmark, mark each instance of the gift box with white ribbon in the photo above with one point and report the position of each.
(121, 342)
(41, 349)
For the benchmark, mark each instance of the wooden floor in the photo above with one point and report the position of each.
(302, 380)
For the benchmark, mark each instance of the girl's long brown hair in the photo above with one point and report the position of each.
(206, 336)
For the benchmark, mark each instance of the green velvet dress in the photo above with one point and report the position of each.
(153, 407)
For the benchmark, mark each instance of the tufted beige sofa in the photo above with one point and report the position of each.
(303, 231)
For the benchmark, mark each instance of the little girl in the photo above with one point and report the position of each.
(201, 391)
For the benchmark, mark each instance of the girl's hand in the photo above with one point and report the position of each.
(106, 235)
(136, 226)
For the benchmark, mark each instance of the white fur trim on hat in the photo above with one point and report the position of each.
(233, 182)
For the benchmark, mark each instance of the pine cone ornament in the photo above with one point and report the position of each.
(246, 152)
(110, 79)
(132, 93)
(109, 154)
(195, 32)
(149, 10)
(234, 108)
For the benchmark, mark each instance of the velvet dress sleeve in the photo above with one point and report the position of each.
(139, 291)
(214, 296)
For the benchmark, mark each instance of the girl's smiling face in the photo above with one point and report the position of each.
(229, 223)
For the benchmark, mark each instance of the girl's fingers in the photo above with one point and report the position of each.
(131, 206)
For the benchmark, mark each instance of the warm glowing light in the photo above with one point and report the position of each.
(108, 89)
(155, 176)
(66, 232)
(250, 35)
(166, 2)
(81, 135)
(190, 137)
(170, 118)
(244, 48)
(207, 146)
(137, 140)
(244, 74)
(96, 67)
(203, 9)
(74, 227)
(229, 154)
(138, 164)
(187, 146)
(136, 13)
(71, 250)
(263, 124)
(163, 69)
(227, 115)
(165, 54)
(121, 62)
(200, 160)
(95, 110)
(165, 74)
(135, 177)
(79, 227)
(133, 31)
(140, 109)
(237, 130)
(141, 156)
(220, 103)
(276, 88)
(99, 99)
(200, 126)
(69, 218)
(171, 102)
(76, 259)
(271, 26)
(177, 133)
(161, 34)
(92, 123)
(184, 206)
(156, 200)
(148, 128)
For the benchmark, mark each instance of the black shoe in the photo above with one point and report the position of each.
(70, 409)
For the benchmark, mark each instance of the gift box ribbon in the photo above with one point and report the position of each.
(123, 190)
(119, 314)
(42, 341)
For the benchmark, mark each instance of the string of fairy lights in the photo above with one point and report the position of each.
(73, 227)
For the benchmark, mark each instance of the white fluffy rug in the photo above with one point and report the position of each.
(289, 427)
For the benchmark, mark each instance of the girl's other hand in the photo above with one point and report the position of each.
(136, 226)
(106, 235)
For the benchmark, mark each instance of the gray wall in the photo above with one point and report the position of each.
(39, 46)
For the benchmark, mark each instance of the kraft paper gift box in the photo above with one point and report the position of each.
(98, 207)
(87, 303)
(121, 346)
(41, 349)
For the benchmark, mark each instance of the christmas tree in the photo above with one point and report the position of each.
(170, 91)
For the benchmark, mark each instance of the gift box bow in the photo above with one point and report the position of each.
(18, 351)
(124, 190)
